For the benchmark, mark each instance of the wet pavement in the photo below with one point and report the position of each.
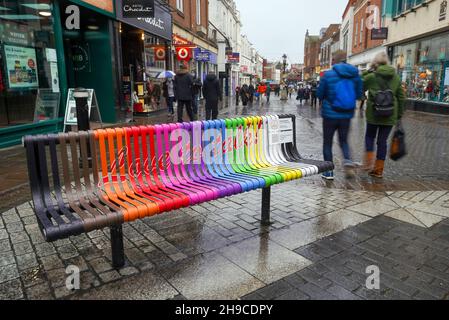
(323, 235)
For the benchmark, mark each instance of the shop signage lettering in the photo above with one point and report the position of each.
(202, 55)
(234, 57)
(159, 23)
(12, 33)
(379, 34)
(138, 8)
(81, 57)
(443, 10)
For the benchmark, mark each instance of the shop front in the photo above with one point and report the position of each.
(205, 61)
(30, 68)
(85, 48)
(144, 46)
(423, 66)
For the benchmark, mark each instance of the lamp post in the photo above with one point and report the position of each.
(284, 58)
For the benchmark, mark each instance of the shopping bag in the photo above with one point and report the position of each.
(398, 147)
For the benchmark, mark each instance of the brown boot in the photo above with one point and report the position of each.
(378, 171)
(368, 162)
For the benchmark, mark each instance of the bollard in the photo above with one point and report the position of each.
(82, 116)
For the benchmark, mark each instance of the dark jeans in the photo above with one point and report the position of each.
(188, 105)
(329, 128)
(382, 133)
(170, 102)
(195, 104)
(211, 111)
(314, 100)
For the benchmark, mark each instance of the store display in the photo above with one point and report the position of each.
(21, 67)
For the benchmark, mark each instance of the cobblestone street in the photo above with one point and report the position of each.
(323, 237)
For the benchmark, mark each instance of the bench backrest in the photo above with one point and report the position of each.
(76, 176)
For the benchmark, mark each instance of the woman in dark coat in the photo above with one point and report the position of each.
(301, 94)
(212, 94)
(244, 92)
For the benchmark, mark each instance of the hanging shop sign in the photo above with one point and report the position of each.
(234, 57)
(160, 53)
(138, 8)
(21, 68)
(379, 34)
(184, 54)
(160, 24)
(443, 10)
(202, 55)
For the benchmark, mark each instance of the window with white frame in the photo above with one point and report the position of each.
(362, 28)
(198, 12)
(180, 5)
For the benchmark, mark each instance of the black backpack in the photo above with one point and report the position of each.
(383, 100)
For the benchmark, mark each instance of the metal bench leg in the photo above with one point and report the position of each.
(266, 195)
(118, 254)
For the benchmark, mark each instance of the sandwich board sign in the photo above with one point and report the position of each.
(70, 118)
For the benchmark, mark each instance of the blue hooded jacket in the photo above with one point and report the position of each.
(326, 90)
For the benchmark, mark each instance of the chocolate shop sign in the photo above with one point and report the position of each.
(138, 8)
(146, 15)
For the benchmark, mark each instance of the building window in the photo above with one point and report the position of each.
(361, 32)
(356, 33)
(198, 12)
(29, 81)
(180, 5)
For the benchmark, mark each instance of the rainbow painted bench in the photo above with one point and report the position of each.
(87, 181)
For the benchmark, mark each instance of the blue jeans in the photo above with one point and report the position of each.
(329, 128)
(170, 102)
(382, 133)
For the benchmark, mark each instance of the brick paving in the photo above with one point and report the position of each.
(323, 236)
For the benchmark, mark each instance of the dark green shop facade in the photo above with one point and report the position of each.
(44, 52)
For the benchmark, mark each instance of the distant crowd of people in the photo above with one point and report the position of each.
(336, 93)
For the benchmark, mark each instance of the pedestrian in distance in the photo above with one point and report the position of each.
(307, 94)
(244, 93)
(212, 94)
(196, 89)
(339, 89)
(252, 90)
(168, 89)
(384, 110)
(300, 96)
(313, 93)
(183, 85)
(268, 93)
(262, 90)
(237, 96)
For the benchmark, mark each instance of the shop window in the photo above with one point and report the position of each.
(29, 81)
(424, 68)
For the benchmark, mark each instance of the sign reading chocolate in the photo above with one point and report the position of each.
(159, 23)
(138, 8)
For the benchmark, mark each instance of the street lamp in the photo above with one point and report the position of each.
(284, 57)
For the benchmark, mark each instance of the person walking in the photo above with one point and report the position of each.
(384, 109)
(212, 94)
(252, 90)
(300, 96)
(244, 92)
(183, 86)
(313, 92)
(168, 89)
(339, 89)
(268, 93)
(196, 90)
(306, 94)
(261, 90)
(237, 96)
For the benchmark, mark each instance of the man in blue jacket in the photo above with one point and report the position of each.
(339, 89)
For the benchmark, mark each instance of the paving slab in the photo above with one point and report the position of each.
(264, 259)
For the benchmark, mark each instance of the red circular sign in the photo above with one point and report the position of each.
(31, 63)
(183, 53)
(160, 53)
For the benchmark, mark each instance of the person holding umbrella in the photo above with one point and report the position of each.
(169, 94)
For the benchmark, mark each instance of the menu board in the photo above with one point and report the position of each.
(21, 67)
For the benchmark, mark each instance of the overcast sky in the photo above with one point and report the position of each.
(276, 27)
